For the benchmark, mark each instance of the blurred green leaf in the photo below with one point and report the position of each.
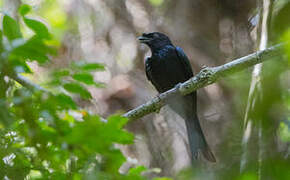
(93, 67)
(281, 19)
(92, 131)
(162, 178)
(86, 78)
(248, 176)
(19, 66)
(24, 9)
(38, 27)
(284, 131)
(55, 14)
(5, 115)
(1, 43)
(33, 49)
(156, 2)
(11, 28)
(65, 101)
(61, 73)
(77, 89)
(286, 38)
(117, 121)
(84, 66)
(113, 160)
(115, 130)
(137, 170)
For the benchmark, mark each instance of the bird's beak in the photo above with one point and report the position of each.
(144, 39)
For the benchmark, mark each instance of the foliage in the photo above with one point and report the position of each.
(46, 135)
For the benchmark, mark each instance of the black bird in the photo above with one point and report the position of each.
(167, 67)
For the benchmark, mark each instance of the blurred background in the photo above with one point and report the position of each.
(211, 32)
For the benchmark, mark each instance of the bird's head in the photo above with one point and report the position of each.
(154, 40)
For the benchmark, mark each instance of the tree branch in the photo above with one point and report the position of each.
(206, 76)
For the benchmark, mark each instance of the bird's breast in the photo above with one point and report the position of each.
(166, 69)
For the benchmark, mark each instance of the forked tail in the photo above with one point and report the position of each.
(197, 141)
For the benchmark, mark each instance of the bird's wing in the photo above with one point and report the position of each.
(148, 70)
(186, 64)
(187, 70)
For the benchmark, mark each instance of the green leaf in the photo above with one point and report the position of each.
(114, 130)
(137, 170)
(156, 2)
(57, 76)
(286, 38)
(65, 101)
(117, 121)
(100, 85)
(11, 28)
(24, 9)
(1, 44)
(20, 66)
(93, 67)
(84, 77)
(38, 27)
(78, 89)
(281, 21)
(61, 73)
(84, 66)
(113, 160)
(33, 49)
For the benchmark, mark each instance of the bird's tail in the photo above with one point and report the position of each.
(197, 141)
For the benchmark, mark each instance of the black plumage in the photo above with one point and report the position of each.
(168, 66)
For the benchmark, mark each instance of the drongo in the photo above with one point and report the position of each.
(167, 67)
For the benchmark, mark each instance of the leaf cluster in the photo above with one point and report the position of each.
(45, 135)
